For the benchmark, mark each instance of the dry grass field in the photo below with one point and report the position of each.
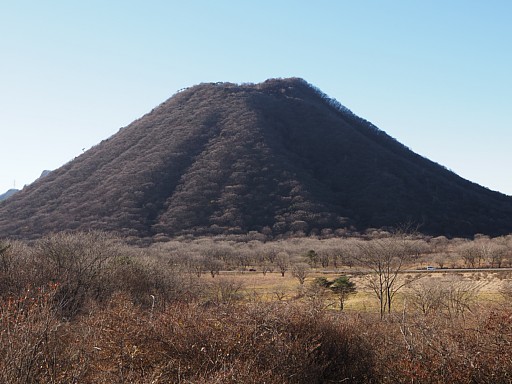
(254, 286)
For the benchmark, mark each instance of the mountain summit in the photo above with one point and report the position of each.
(278, 157)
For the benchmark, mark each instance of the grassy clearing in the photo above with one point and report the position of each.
(274, 287)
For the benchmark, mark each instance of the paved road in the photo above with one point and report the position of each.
(451, 270)
(425, 270)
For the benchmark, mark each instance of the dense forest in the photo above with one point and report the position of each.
(278, 158)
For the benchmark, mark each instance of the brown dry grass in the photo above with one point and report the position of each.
(250, 342)
(257, 286)
(156, 323)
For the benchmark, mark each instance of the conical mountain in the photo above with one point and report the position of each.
(278, 157)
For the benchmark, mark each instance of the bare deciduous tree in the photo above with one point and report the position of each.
(427, 296)
(279, 292)
(196, 265)
(300, 271)
(441, 259)
(453, 296)
(213, 265)
(493, 252)
(226, 291)
(385, 260)
(282, 262)
(470, 254)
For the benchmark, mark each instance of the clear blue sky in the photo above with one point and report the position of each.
(436, 75)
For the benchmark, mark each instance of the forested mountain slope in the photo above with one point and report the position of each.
(278, 157)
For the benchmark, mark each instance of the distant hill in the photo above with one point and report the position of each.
(12, 191)
(9, 193)
(278, 157)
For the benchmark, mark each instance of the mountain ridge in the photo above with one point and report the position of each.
(8, 193)
(279, 157)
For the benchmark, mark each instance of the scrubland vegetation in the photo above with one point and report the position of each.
(87, 308)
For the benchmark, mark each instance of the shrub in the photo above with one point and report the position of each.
(28, 331)
(79, 264)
